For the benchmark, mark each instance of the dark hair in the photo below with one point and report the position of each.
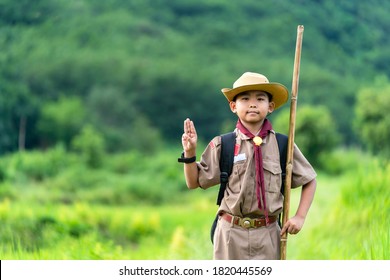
(268, 94)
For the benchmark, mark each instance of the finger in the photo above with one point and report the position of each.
(189, 127)
(284, 229)
(184, 140)
(185, 127)
(287, 228)
(292, 230)
(192, 128)
(295, 230)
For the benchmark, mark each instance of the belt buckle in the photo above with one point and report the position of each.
(247, 223)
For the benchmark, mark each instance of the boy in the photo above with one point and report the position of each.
(247, 227)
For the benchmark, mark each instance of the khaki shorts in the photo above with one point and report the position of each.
(232, 242)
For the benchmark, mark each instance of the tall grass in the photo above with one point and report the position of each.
(135, 207)
(85, 231)
(366, 200)
(350, 215)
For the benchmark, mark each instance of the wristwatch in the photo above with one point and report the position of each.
(186, 160)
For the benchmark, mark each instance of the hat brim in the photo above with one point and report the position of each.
(278, 91)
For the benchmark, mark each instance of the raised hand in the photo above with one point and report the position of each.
(189, 138)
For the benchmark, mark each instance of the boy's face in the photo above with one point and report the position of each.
(252, 106)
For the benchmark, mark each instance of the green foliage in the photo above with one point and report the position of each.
(35, 165)
(117, 118)
(169, 59)
(368, 193)
(79, 212)
(61, 120)
(341, 161)
(91, 146)
(16, 104)
(132, 71)
(372, 122)
(315, 131)
(62, 177)
(83, 231)
(347, 210)
(25, 12)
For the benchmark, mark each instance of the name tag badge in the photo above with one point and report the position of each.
(239, 157)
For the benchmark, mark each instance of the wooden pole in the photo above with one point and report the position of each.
(291, 134)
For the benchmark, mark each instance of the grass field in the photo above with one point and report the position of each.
(349, 218)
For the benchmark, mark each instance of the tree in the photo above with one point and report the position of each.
(90, 144)
(372, 122)
(61, 120)
(315, 131)
(148, 51)
(114, 115)
(17, 112)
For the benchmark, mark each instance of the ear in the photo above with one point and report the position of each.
(232, 105)
(271, 107)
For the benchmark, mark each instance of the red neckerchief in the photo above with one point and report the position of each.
(260, 187)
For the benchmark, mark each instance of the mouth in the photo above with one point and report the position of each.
(252, 112)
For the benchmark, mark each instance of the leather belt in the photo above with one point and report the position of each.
(248, 222)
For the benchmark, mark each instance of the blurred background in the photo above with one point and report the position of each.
(93, 95)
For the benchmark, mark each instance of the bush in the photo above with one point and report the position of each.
(315, 131)
(372, 122)
(36, 165)
(91, 146)
(342, 160)
(61, 120)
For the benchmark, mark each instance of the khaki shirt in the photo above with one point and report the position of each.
(240, 195)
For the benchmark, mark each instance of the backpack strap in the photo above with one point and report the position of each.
(226, 159)
(228, 142)
(282, 145)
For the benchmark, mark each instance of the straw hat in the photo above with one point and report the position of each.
(254, 81)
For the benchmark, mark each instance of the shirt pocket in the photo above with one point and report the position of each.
(237, 176)
(272, 176)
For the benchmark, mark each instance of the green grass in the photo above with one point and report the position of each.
(84, 231)
(117, 213)
(348, 219)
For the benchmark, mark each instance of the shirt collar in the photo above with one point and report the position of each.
(242, 136)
